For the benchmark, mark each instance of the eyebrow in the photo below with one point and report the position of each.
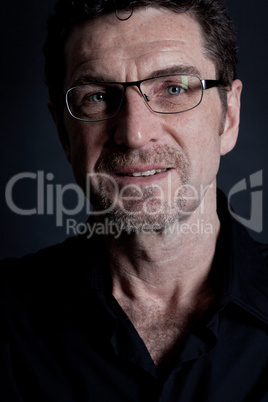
(90, 79)
(178, 69)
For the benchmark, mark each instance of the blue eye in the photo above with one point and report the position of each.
(175, 90)
(98, 97)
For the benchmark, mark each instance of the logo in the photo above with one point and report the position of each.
(255, 191)
(49, 198)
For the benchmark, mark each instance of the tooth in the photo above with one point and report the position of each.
(147, 172)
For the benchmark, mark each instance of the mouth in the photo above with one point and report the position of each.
(145, 173)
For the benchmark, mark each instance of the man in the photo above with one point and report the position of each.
(173, 307)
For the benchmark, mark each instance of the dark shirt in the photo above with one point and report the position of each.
(64, 337)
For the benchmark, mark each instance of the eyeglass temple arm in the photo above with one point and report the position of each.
(207, 84)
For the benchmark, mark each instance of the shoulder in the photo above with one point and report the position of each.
(250, 273)
(262, 249)
(248, 251)
(244, 247)
(61, 252)
(246, 262)
(60, 266)
(67, 251)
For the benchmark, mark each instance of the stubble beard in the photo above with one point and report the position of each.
(144, 209)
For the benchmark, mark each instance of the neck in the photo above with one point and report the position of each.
(159, 265)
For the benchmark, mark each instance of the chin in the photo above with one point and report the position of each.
(142, 224)
(146, 216)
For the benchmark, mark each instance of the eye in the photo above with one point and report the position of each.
(97, 97)
(175, 90)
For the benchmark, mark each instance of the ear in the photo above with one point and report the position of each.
(63, 137)
(232, 121)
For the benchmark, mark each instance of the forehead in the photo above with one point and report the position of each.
(153, 38)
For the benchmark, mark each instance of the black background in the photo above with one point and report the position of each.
(29, 141)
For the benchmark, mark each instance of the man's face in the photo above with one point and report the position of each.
(148, 168)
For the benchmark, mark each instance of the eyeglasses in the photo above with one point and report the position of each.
(168, 94)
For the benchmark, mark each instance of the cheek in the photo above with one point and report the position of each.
(208, 150)
(198, 135)
(84, 140)
(85, 146)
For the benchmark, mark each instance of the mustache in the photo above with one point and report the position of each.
(166, 155)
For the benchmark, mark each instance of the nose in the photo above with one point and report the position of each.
(136, 124)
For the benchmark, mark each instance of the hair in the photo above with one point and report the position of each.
(219, 39)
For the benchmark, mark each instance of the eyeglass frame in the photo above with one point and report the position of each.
(205, 84)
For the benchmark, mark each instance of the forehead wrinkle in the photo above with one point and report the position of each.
(118, 59)
(137, 51)
(140, 59)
